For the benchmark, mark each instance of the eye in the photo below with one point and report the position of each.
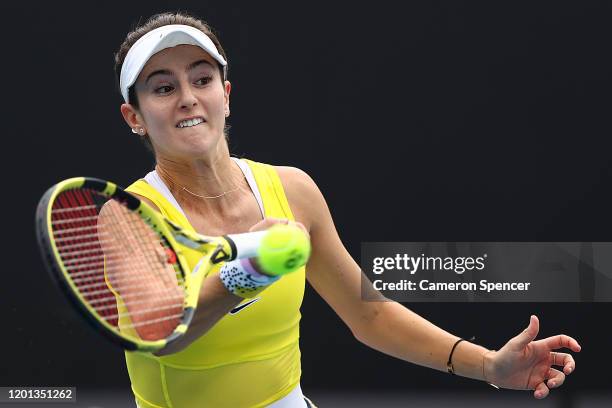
(204, 80)
(162, 90)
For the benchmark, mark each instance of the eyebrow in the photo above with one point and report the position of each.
(168, 72)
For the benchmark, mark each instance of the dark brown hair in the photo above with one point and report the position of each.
(156, 21)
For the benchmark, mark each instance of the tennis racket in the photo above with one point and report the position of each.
(123, 265)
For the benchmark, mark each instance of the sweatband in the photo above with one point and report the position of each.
(241, 278)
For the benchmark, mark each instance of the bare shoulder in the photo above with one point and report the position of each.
(303, 194)
(296, 180)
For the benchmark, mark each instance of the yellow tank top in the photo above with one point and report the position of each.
(248, 359)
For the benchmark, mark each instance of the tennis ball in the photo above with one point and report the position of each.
(283, 249)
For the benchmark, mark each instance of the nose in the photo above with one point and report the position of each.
(188, 99)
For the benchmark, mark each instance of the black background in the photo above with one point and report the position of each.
(430, 121)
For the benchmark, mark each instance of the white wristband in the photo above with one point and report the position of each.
(241, 278)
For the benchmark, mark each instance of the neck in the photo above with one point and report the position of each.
(200, 179)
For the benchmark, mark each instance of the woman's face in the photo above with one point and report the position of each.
(183, 101)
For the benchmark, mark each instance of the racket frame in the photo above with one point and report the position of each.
(218, 249)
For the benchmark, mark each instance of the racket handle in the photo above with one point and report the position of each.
(247, 243)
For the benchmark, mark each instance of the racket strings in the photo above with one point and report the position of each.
(165, 316)
(168, 302)
(143, 300)
(75, 208)
(89, 262)
(82, 236)
(170, 318)
(156, 251)
(101, 244)
(82, 219)
(75, 271)
(67, 231)
(123, 282)
(67, 220)
(83, 278)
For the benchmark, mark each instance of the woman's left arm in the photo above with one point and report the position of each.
(395, 330)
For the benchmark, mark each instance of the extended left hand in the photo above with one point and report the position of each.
(525, 364)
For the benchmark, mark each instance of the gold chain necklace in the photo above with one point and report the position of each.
(194, 194)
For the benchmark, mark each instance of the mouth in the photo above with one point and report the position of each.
(190, 122)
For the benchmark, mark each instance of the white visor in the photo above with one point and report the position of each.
(154, 41)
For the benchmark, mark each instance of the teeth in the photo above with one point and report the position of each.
(190, 122)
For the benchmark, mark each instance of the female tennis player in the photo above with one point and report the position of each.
(242, 350)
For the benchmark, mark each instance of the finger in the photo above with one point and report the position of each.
(520, 341)
(541, 391)
(564, 360)
(562, 341)
(555, 378)
(560, 359)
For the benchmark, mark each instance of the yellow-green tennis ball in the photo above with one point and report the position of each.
(283, 249)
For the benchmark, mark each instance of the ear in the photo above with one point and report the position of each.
(227, 90)
(131, 116)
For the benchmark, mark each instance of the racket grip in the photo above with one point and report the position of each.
(247, 243)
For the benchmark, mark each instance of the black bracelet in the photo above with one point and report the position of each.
(449, 363)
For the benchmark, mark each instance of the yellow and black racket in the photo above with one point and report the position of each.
(123, 264)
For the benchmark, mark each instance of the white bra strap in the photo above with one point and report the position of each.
(248, 174)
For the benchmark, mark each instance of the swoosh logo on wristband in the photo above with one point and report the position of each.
(243, 306)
